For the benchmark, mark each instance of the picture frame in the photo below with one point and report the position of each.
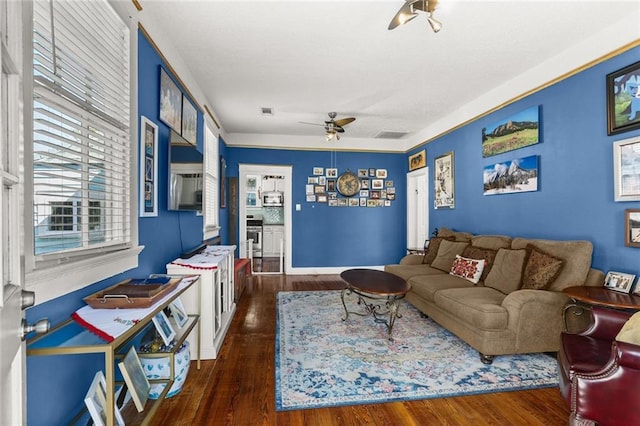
(377, 183)
(318, 171)
(321, 198)
(223, 183)
(363, 173)
(148, 168)
(332, 172)
(364, 193)
(333, 202)
(632, 228)
(319, 189)
(364, 183)
(308, 189)
(313, 180)
(354, 202)
(179, 313)
(163, 326)
(514, 132)
(372, 172)
(623, 99)
(496, 181)
(363, 202)
(381, 173)
(444, 181)
(626, 173)
(619, 281)
(170, 102)
(331, 185)
(96, 402)
(189, 130)
(418, 160)
(134, 377)
(311, 198)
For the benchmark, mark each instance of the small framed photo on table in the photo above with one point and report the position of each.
(96, 402)
(619, 281)
(179, 313)
(632, 227)
(164, 328)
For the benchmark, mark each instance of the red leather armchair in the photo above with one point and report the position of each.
(599, 376)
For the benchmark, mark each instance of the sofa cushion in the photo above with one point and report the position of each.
(487, 254)
(491, 241)
(426, 286)
(469, 269)
(541, 269)
(576, 254)
(480, 307)
(457, 235)
(407, 271)
(506, 272)
(447, 254)
(432, 249)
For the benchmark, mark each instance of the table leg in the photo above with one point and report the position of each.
(346, 312)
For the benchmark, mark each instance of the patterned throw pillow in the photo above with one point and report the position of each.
(432, 249)
(541, 269)
(488, 255)
(469, 269)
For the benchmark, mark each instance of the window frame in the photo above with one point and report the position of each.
(211, 201)
(60, 274)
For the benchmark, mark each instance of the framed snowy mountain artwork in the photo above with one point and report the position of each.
(519, 175)
(514, 132)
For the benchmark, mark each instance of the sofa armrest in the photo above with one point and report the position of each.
(412, 259)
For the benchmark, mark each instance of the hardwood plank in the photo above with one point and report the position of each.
(238, 388)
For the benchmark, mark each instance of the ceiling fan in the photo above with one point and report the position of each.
(332, 126)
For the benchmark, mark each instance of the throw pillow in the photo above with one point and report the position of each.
(506, 271)
(469, 269)
(488, 255)
(447, 254)
(541, 269)
(630, 331)
(432, 249)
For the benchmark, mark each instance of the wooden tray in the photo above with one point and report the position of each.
(131, 294)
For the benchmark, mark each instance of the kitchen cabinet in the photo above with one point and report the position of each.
(253, 190)
(272, 235)
(216, 302)
(71, 338)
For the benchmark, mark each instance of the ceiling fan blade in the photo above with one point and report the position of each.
(311, 124)
(404, 15)
(344, 121)
(338, 129)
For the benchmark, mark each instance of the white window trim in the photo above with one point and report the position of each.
(211, 228)
(54, 281)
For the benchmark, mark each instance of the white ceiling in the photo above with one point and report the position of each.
(306, 58)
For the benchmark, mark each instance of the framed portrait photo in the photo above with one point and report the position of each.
(179, 313)
(164, 328)
(619, 281)
(134, 377)
(96, 402)
(632, 227)
(623, 99)
(626, 173)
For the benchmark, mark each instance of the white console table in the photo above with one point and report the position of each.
(217, 305)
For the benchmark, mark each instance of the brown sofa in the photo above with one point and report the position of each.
(518, 304)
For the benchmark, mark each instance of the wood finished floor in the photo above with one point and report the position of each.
(238, 388)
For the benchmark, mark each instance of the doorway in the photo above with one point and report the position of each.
(264, 217)
(417, 208)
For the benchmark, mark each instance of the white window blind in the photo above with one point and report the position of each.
(81, 130)
(211, 191)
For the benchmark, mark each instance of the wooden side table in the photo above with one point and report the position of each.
(599, 296)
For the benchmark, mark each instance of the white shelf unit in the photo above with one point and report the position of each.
(215, 303)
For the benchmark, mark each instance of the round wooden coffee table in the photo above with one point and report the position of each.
(372, 288)
(585, 296)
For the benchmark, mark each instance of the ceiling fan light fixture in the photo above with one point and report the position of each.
(436, 25)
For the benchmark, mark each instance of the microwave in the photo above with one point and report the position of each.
(273, 199)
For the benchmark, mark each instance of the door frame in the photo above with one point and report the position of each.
(422, 173)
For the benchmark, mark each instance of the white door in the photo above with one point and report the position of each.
(417, 208)
(12, 401)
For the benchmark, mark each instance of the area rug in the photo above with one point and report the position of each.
(322, 361)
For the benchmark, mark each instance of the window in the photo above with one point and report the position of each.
(211, 183)
(81, 154)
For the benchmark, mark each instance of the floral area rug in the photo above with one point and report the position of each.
(322, 361)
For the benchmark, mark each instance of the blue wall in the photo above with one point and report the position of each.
(324, 236)
(576, 192)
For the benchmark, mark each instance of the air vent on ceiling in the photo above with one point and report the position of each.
(267, 111)
(391, 134)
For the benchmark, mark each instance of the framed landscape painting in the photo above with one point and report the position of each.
(514, 132)
(170, 102)
(520, 175)
(623, 99)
